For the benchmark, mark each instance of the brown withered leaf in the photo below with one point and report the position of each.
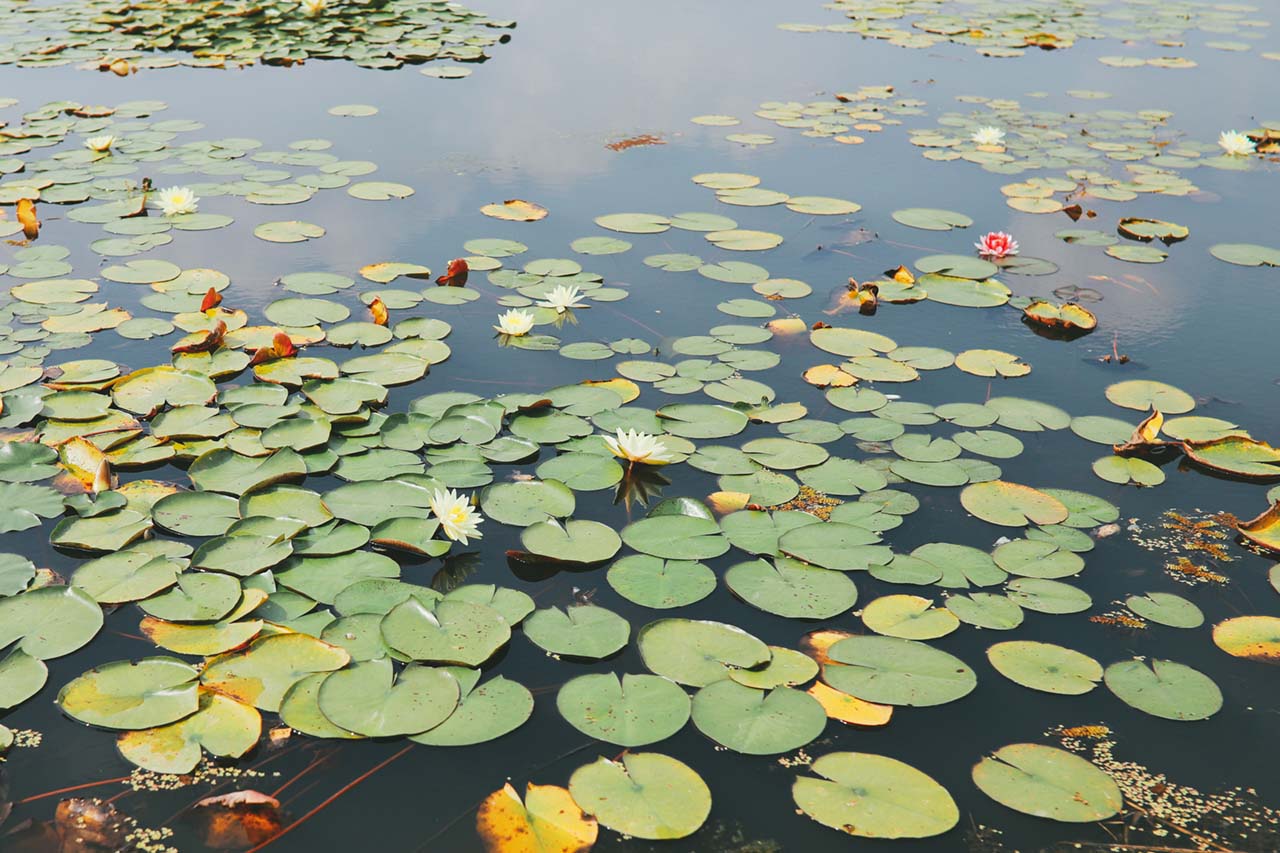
(90, 826)
(1145, 436)
(456, 274)
(203, 341)
(212, 299)
(281, 347)
(238, 820)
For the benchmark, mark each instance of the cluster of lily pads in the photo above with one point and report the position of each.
(1001, 28)
(209, 34)
(1006, 138)
(868, 109)
(292, 602)
(111, 188)
(1041, 140)
(269, 593)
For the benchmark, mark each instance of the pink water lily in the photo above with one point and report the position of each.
(997, 244)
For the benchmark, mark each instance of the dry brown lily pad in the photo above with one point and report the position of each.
(1146, 230)
(1068, 316)
(238, 820)
(1145, 436)
(89, 825)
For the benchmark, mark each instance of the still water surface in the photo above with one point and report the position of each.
(533, 122)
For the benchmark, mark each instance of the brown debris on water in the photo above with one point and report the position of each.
(1119, 619)
(808, 500)
(636, 142)
(1167, 815)
(1196, 543)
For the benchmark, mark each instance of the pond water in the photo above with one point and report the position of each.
(585, 111)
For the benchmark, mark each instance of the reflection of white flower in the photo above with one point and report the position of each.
(636, 446)
(988, 136)
(313, 7)
(100, 143)
(562, 298)
(456, 516)
(176, 200)
(1236, 143)
(515, 323)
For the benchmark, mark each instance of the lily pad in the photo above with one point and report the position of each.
(643, 795)
(1048, 782)
(874, 796)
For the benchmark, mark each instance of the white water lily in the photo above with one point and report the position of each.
(313, 7)
(176, 200)
(458, 519)
(1236, 144)
(101, 144)
(515, 323)
(988, 136)
(562, 298)
(636, 446)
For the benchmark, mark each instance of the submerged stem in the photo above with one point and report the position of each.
(324, 803)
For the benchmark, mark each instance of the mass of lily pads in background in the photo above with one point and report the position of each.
(1009, 28)
(1069, 160)
(149, 34)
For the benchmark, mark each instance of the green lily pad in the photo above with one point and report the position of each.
(1164, 688)
(792, 589)
(756, 722)
(697, 653)
(1048, 782)
(874, 796)
(636, 710)
(892, 671)
(661, 584)
(1045, 666)
(363, 698)
(581, 631)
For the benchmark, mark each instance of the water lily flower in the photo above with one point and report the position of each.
(176, 200)
(1236, 144)
(101, 144)
(313, 7)
(988, 136)
(635, 446)
(997, 244)
(458, 519)
(563, 298)
(515, 323)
